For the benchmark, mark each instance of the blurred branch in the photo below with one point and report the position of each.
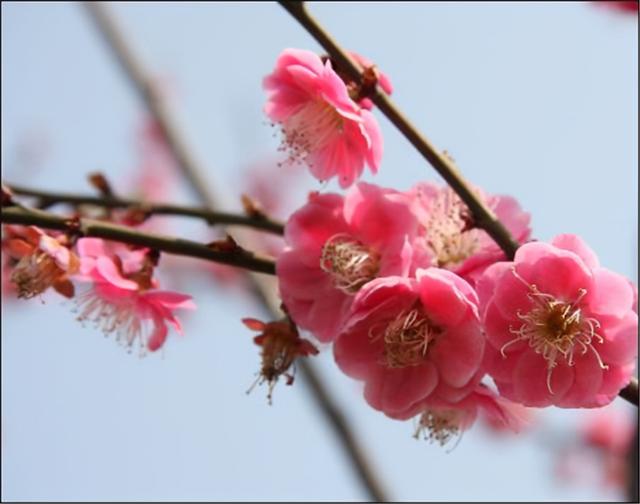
(263, 292)
(224, 252)
(48, 198)
(483, 217)
(151, 97)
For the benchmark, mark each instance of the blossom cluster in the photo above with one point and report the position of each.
(418, 302)
(117, 292)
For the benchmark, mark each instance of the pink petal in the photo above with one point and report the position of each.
(171, 300)
(356, 355)
(576, 245)
(443, 302)
(614, 380)
(372, 129)
(620, 340)
(586, 384)
(110, 273)
(498, 330)
(530, 381)
(158, 336)
(398, 389)
(611, 294)
(93, 247)
(458, 353)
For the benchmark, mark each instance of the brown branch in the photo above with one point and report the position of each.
(48, 198)
(630, 392)
(482, 215)
(238, 257)
(263, 292)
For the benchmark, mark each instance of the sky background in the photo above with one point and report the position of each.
(535, 100)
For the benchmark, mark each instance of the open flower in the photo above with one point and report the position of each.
(321, 124)
(43, 261)
(413, 339)
(335, 246)
(561, 329)
(440, 421)
(123, 298)
(449, 235)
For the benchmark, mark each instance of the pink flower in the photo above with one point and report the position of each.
(449, 236)
(440, 421)
(561, 329)
(413, 339)
(43, 261)
(123, 298)
(336, 245)
(321, 124)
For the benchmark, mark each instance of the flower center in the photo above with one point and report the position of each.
(406, 339)
(35, 273)
(556, 329)
(446, 230)
(350, 262)
(310, 129)
(438, 425)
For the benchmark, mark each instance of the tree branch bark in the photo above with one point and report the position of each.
(238, 257)
(261, 222)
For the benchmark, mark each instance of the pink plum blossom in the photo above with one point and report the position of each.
(561, 329)
(321, 124)
(448, 235)
(43, 261)
(413, 340)
(123, 298)
(335, 245)
(440, 420)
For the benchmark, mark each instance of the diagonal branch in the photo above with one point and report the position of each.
(234, 256)
(47, 198)
(483, 216)
(263, 292)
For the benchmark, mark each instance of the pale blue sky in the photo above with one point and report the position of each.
(536, 100)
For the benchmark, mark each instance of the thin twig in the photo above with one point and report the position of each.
(630, 392)
(48, 198)
(483, 216)
(238, 257)
(263, 292)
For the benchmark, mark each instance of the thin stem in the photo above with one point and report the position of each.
(238, 257)
(49, 198)
(483, 216)
(263, 291)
